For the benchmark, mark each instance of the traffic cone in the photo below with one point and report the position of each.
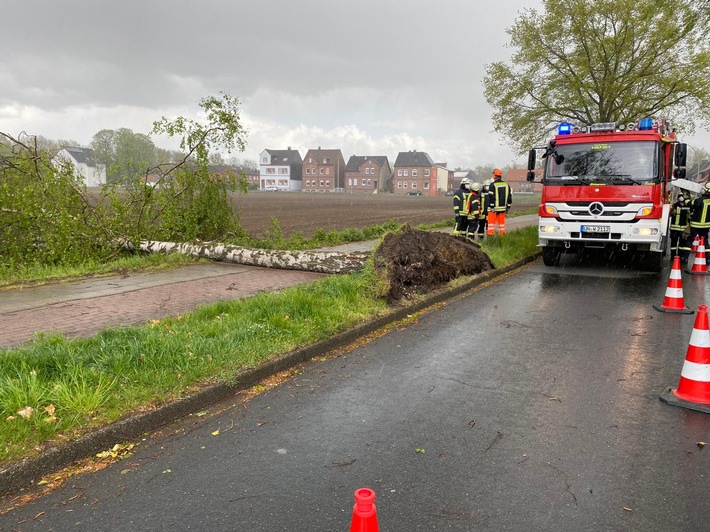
(673, 302)
(693, 390)
(364, 512)
(696, 242)
(700, 266)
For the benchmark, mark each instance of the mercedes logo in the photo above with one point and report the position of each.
(596, 208)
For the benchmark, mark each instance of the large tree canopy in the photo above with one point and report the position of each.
(587, 61)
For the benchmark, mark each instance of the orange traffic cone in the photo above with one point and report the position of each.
(696, 242)
(673, 302)
(700, 266)
(693, 390)
(364, 512)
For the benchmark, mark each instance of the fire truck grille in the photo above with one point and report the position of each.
(596, 236)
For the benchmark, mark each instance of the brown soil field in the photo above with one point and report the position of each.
(306, 212)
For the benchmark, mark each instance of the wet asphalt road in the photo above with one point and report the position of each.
(531, 404)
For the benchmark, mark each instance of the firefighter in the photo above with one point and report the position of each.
(483, 219)
(700, 216)
(473, 208)
(460, 214)
(680, 227)
(500, 197)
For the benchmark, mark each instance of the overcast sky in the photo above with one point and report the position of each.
(370, 77)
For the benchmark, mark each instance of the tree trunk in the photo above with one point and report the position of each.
(313, 261)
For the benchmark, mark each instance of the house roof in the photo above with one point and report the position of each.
(222, 168)
(82, 155)
(356, 161)
(329, 155)
(285, 156)
(413, 158)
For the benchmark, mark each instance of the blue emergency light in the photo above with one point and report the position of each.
(564, 128)
(646, 124)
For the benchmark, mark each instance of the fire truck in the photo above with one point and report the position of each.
(607, 186)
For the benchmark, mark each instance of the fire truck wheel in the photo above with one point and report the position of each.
(551, 255)
(653, 262)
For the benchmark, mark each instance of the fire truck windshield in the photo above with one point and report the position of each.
(609, 162)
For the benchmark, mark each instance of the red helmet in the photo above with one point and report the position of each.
(497, 173)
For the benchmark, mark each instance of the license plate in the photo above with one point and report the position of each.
(595, 228)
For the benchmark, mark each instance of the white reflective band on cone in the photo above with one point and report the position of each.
(696, 372)
(674, 292)
(700, 338)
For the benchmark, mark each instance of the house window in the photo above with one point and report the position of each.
(310, 160)
(426, 185)
(355, 182)
(308, 170)
(414, 184)
(321, 171)
(399, 184)
(265, 160)
(405, 184)
(327, 183)
(414, 172)
(406, 172)
(308, 183)
(369, 182)
(271, 170)
(283, 170)
(350, 182)
(427, 172)
(399, 172)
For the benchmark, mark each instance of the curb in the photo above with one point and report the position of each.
(25, 472)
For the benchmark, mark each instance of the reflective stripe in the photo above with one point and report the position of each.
(696, 372)
(700, 338)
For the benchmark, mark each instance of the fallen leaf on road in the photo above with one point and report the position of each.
(420, 451)
(215, 433)
(627, 509)
(701, 444)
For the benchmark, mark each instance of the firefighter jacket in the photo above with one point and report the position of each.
(500, 196)
(460, 200)
(700, 213)
(473, 206)
(680, 215)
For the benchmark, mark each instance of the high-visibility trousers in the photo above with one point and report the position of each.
(496, 219)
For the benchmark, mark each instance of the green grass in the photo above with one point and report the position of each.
(72, 385)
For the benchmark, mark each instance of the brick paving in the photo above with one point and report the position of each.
(85, 307)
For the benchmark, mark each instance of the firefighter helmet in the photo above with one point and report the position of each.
(465, 181)
(476, 187)
(706, 188)
(487, 182)
(497, 173)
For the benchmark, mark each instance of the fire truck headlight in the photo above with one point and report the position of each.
(549, 228)
(549, 209)
(645, 211)
(645, 231)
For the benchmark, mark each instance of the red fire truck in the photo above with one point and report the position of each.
(606, 186)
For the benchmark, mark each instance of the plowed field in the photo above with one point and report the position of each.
(305, 212)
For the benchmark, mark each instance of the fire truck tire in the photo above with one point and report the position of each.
(653, 262)
(551, 255)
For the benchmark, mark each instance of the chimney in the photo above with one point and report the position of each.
(289, 148)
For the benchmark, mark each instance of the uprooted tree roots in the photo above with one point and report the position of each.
(416, 262)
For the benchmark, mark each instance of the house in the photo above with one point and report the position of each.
(367, 173)
(251, 175)
(86, 168)
(280, 170)
(324, 171)
(517, 178)
(459, 175)
(414, 171)
(444, 178)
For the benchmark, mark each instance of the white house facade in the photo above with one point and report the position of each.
(280, 170)
(85, 166)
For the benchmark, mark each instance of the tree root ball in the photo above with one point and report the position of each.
(416, 262)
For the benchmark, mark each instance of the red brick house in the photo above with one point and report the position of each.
(367, 174)
(323, 171)
(414, 171)
(517, 178)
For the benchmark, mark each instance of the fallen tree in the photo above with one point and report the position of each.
(312, 261)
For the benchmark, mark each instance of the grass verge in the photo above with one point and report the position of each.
(55, 389)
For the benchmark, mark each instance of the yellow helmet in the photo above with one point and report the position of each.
(476, 187)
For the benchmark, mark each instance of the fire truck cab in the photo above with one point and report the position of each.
(606, 186)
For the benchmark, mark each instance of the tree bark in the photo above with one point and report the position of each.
(313, 261)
